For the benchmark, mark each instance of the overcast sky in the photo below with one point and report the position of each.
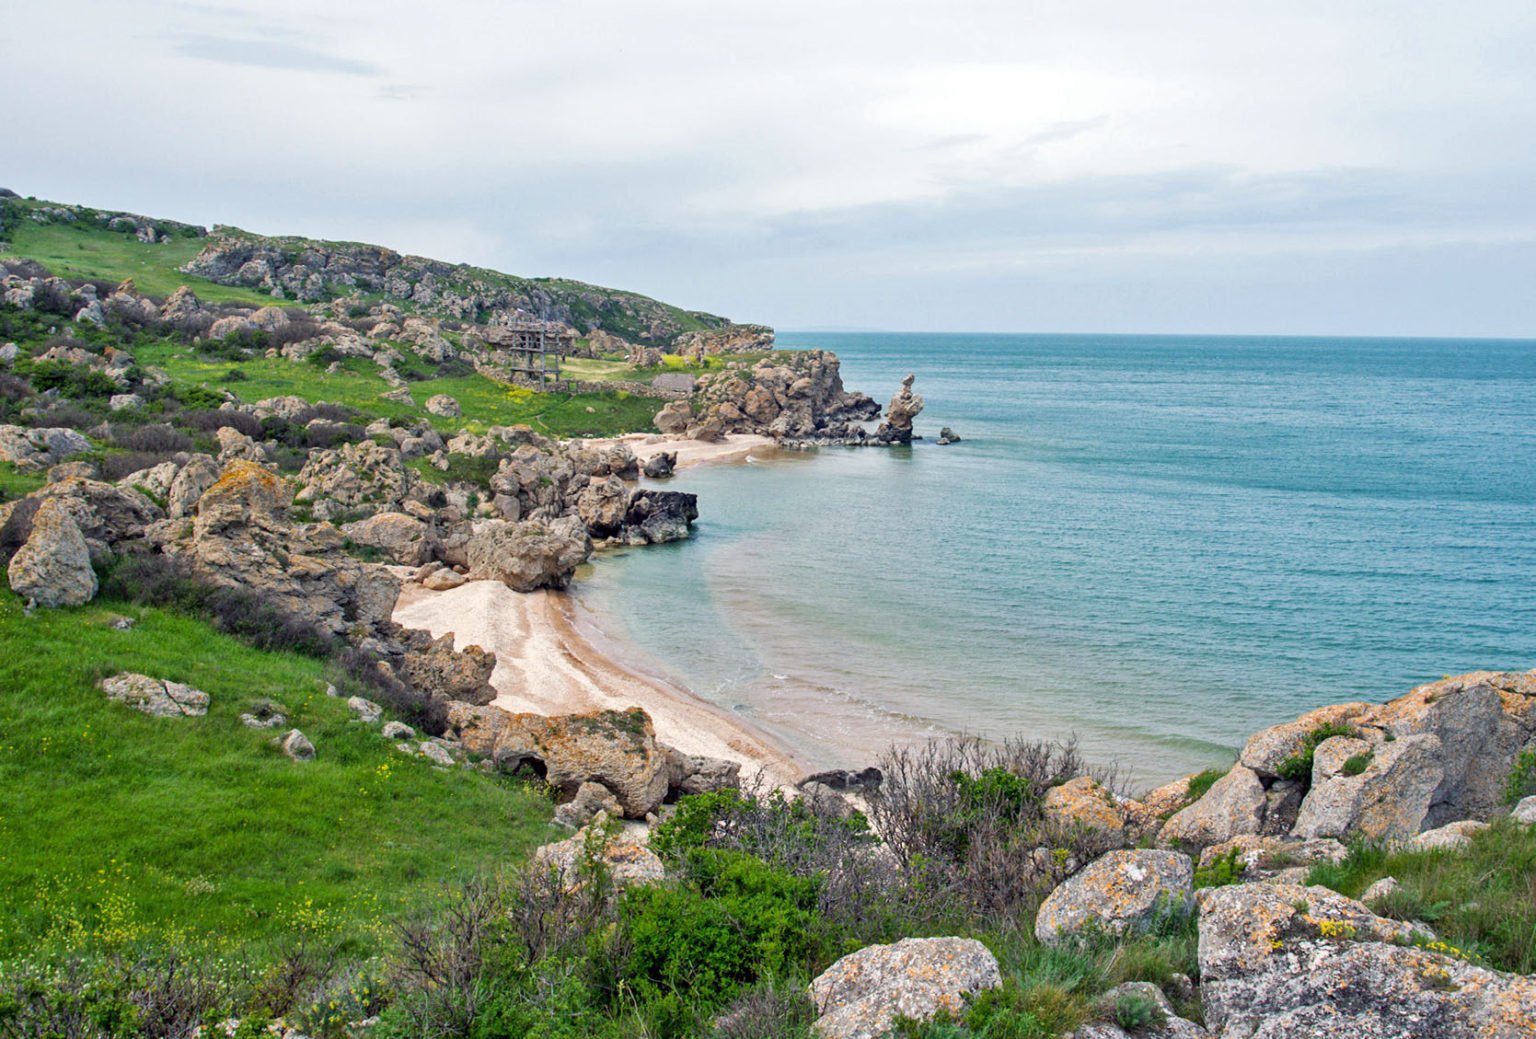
(1007, 165)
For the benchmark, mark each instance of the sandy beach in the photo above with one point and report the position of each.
(737, 447)
(547, 662)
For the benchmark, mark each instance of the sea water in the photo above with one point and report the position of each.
(1158, 544)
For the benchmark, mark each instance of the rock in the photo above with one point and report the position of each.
(861, 995)
(1258, 857)
(402, 539)
(1451, 835)
(615, 748)
(528, 555)
(1265, 750)
(154, 696)
(296, 745)
(397, 731)
(436, 753)
(674, 418)
(125, 402)
(1083, 802)
(1279, 961)
(1117, 893)
(1379, 889)
(443, 673)
(590, 799)
(697, 774)
(35, 450)
(1525, 811)
(53, 568)
(619, 460)
(660, 465)
(366, 710)
(1388, 801)
(862, 781)
(443, 406)
(354, 476)
(442, 580)
(626, 861)
(1234, 805)
(76, 471)
(1172, 1026)
(602, 505)
(264, 715)
(904, 407)
(948, 436)
(200, 473)
(106, 514)
(655, 517)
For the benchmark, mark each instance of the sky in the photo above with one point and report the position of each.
(1339, 167)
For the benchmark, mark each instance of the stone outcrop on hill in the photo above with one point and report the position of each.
(53, 567)
(155, 696)
(735, 339)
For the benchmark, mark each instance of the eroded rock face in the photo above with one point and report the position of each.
(36, 450)
(155, 696)
(527, 555)
(861, 995)
(799, 396)
(1280, 960)
(1234, 805)
(354, 476)
(904, 407)
(617, 749)
(53, 568)
(401, 538)
(1118, 893)
(655, 517)
(437, 670)
(1389, 800)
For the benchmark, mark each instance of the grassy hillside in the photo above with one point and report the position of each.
(119, 830)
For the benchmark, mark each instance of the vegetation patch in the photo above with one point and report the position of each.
(1299, 764)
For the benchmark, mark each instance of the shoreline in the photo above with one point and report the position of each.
(549, 660)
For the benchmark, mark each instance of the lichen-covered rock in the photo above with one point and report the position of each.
(53, 568)
(1086, 803)
(615, 748)
(861, 995)
(200, 473)
(296, 746)
(354, 476)
(366, 710)
(1389, 800)
(36, 450)
(1525, 811)
(1451, 836)
(106, 514)
(1278, 961)
(1172, 1026)
(1233, 805)
(626, 862)
(1117, 893)
(403, 539)
(1261, 856)
(527, 555)
(1266, 750)
(155, 696)
(443, 406)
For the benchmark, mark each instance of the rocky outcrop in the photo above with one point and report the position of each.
(861, 995)
(433, 667)
(154, 696)
(796, 396)
(655, 517)
(108, 516)
(36, 450)
(736, 339)
(904, 407)
(362, 475)
(1280, 960)
(1257, 858)
(1118, 893)
(1235, 804)
(1389, 800)
(53, 567)
(660, 465)
(402, 539)
(616, 749)
(527, 555)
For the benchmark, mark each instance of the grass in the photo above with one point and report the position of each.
(18, 485)
(1480, 899)
(98, 254)
(484, 402)
(119, 829)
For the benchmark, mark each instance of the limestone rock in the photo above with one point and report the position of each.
(436, 753)
(861, 995)
(1265, 750)
(35, 450)
(296, 745)
(443, 406)
(366, 710)
(1084, 802)
(263, 715)
(1279, 961)
(1389, 800)
(1525, 811)
(602, 505)
(53, 568)
(442, 580)
(1451, 835)
(655, 517)
(105, 513)
(443, 673)
(528, 555)
(660, 465)
(200, 473)
(403, 539)
(1379, 889)
(397, 731)
(590, 799)
(626, 861)
(675, 417)
(155, 696)
(1233, 805)
(1119, 892)
(354, 476)
(904, 407)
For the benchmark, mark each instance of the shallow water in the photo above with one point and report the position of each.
(1158, 543)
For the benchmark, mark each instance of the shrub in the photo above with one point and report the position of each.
(211, 420)
(1522, 778)
(1358, 763)
(1223, 870)
(71, 380)
(768, 1011)
(1200, 785)
(158, 439)
(198, 396)
(118, 465)
(1139, 1012)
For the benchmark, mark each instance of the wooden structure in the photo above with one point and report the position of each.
(529, 350)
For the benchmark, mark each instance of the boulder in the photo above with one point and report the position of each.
(1388, 801)
(442, 580)
(362, 475)
(675, 418)
(861, 995)
(53, 568)
(155, 696)
(1233, 805)
(1278, 961)
(443, 406)
(397, 731)
(366, 710)
(1118, 893)
(1379, 889)
(654, 517)
(698, 774)
(660, 465)
(590, 799)
(402, 539)
(35, 450)
(602, 504)
(1525, 811)
(106, 514)
(527, 555)
(1451, 835)
(124, 402)
(626, 861)
(296, 745)
(1265, 750)
(1084, 802)
(263, 715)
(615, 748)
(443, 673)
(904, 407)
(200, 473)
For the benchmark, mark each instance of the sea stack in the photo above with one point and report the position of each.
(904, 407)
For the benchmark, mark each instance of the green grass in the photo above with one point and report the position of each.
(1481, 899)
(118, 829)
(95, 253)
(18, 485)
(484, 402)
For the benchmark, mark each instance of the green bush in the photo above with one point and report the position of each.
(1299, 764)
(1359, 763)
(1522, 778)
(1222, 871)
(1200, 785)
(1139, 1012)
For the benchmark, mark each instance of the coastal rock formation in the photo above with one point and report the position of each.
(660, 465)
(1388, 801)
(35, 450)
(861, 995)
(616, 749)
(527, 555)
(1234, 805)
(154, 696)
(352, 477)
(1084, 802)
(904, 407)
(402, 539)
(1117, 893)
(433, 667)
(53, 567)
(737, 339)
(797, 396)
(1280, 960)
(655, 517)
(1257, 858)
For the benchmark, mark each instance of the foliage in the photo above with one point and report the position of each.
(1223, 870)
(1201, 783)
(1299, 764)
(1522, 778)
(1358, 763)
(1138, 1012)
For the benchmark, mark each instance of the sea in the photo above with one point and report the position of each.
(1154, 545)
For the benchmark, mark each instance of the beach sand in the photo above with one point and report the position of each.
(735, 448)
(547, 662)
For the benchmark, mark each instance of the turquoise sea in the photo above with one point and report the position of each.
(1158, 543)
